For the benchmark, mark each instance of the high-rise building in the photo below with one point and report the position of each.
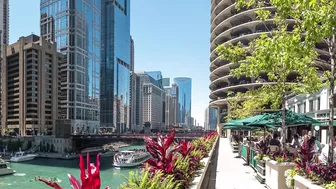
(184, 100)
(157, 75)
(229, 25)
(153, 102)
(138, 102)
(31, 86)
(4, 21)
(75, 26)
(171, 107)
(211, 118)
(132, 89)
(116, 65)
(166, 82)
(4, 34)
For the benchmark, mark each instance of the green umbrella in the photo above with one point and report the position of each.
(238, 127)
(323, 124)
(244, 121)
(291, 118)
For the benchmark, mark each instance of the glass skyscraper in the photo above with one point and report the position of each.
(157, 75)
(75, 25)
(115, 65)
(184, 99)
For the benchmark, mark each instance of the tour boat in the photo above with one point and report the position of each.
(131, 158)
(5, 169)
(21, 156)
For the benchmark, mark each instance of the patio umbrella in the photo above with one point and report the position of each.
(244, 121)
(291, 118)
(238, 127)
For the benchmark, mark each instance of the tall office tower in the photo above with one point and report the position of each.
(171, 108)
(31, 86)
(75, 26)
(4, 21)
(166, 82)
(116, 65)
(157, 75)
(211, 118)
(132, 89)
(229, 25)
(174, 93)
(138, 102)
(153, 102)
(184, 99)
(4, 34)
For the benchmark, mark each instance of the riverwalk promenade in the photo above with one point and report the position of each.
(231, 171)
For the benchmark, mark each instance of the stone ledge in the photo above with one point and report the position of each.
(197, 180)
(303, 183)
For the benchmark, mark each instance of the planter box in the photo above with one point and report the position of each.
(275, 174)
(198, 177)
(303, 183)
(261, 171)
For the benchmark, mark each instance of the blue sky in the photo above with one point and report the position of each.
(170, 36)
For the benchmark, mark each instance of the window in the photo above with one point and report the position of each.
(311, 105)
(318, 103)
(304, 107)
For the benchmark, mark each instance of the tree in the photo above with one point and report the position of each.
(317, 20)
(278, 54)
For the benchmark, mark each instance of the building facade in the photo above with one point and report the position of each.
(75, 26)
(210, 119)
(31, 85)
(171, 107)
(138, 102)
(229, 25)
(153, 102)
(166, 82)
(116, 65)
(4, 21)
(184, 100)
(132, 89)
(157, 75)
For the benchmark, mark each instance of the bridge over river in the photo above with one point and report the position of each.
(84, 141)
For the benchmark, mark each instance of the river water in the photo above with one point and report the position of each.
(51, 168)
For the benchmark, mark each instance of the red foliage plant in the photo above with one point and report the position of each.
(90, 179)
(185, 148)
(163, 153)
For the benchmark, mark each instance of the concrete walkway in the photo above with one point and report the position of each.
(231, 171)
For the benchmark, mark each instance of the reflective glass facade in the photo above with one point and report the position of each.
(75, 25)
(184, 98)
(115, 65)
(157, 75)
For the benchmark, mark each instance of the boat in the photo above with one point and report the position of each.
(131, 158)
(22, 156)
(91, 150)
(107, 154)
(5, 169)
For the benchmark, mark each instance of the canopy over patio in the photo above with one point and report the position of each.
(291, 119)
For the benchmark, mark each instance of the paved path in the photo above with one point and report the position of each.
(231, 172)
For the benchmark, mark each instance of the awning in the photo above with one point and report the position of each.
(292, 118)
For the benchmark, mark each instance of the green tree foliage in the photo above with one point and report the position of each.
(317, 20)
(279, 54)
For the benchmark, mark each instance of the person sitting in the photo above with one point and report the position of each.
(275, 140)
(295, 142)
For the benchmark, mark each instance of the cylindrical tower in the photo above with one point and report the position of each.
(229, 25)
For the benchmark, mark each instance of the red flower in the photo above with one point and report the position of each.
(90, 179)
(308, 171)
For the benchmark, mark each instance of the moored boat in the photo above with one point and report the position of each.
(21, 156)
(131, 158)
(5, 169)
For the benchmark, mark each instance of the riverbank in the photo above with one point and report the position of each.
(115, 146)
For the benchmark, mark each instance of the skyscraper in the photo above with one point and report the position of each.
(31, 83)
(157, 75)
(184, 99)
(75, 26)
(211, 118)
(4, 21)
(116, 65)
(132, 116)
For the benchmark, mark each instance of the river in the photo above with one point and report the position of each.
(52, 168)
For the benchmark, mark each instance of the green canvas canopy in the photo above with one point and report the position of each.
(291, 118)
(244, 121)
(323, 124)
(238, 127)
